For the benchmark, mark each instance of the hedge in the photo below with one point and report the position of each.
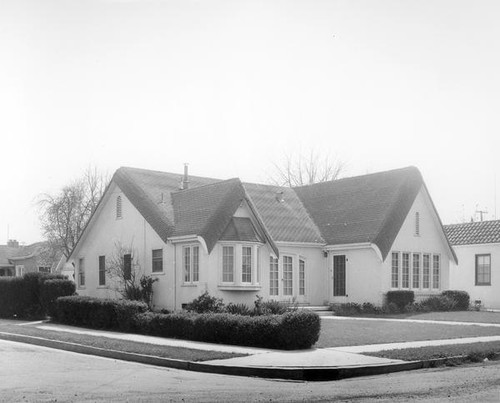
(400, 297)
(50, 290)
(21, 297)
(461, 298)
(98, 313)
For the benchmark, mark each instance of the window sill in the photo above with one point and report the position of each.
(483, 285)
(189, 285)
(81, 287)
(158, 273)
(232, 287)
(102, 287)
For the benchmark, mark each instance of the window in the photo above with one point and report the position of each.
(436, 275)
(483, 269)
(246, 264)
(43, 269)
(127, 267)
(157, 261)
(287, 275)
(395, 270)
(417, 223)
(339, 276)
(416, 271)
(191, 264)
(118, 207)
(102, 270)
(302, 277)
(405, 275)
(273, 276)
(426, 271)
(227, 264)
(81, 272)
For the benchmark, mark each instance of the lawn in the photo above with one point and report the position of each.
(351, 332)
(458, 316)
(179, 353)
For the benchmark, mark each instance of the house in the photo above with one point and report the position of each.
(477, 245)
(349, 240)
(16, 260)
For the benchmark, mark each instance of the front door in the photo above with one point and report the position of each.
(339, 283)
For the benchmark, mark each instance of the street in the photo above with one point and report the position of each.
(32, 373)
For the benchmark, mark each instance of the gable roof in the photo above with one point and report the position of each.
(369, 208)
(241, 229)
(9, 254)
(471, 233)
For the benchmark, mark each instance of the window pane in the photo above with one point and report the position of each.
(483, 269)
(127, 267)
(81, 272)
(102, 270)
(157, 264)
(426, 273)
(302, 277)
(246, 264)
(436, 268)
(287, 275)
(227, 264)
(196, 264)
(339, 276)
(273, 276)
(405, 275)
(187, 264)
(416, 271)
(395, 270)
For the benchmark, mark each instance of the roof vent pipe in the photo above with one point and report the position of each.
(185, 179)
(279, 197)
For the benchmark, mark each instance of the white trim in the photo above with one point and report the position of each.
(472, 245)
(183, 238)
(355, 246)
(301, 244)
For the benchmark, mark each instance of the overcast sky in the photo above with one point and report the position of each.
(231, 86)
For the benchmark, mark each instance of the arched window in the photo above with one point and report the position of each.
(417, 223)
(119, 207)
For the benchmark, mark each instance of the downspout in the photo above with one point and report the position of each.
(175, 276)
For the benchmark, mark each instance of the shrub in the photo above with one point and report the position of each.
(439, 303)
(206, 303)
(293, 330)
(390, 308)
(50, 290)
(400, 297)
(238, 309)
(273, 308)
(461, 298)
(347, 309)
(98, 313)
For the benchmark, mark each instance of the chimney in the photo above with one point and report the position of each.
(185, 178)
(13, 243)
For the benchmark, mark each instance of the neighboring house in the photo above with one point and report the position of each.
(477, 245)
(349, 240)
(16, 260)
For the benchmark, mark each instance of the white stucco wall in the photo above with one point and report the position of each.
(463, 275)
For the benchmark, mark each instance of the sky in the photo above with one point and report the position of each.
(233, 86)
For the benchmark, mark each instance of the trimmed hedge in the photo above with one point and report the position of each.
(401, 298)
(21, 297)
(461, 298)
(98, 313)
(50, 290)
(290, 331)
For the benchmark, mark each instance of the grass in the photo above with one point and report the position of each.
(345, 332)
(473, 352)
(179, 353)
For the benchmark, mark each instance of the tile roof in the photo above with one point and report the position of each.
(369, 208)
(474, 232)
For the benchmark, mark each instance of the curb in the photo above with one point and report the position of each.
(295, 373)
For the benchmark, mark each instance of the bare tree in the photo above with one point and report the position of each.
(300, 170)
(63, 216)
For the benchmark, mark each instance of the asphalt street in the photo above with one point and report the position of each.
(32, 373)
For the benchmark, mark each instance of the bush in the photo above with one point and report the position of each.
(205, 303)
(238, 309)
(401, 298)
(50, 290)
(347, 309)
(98, 313)
(293, 330)
(461, 298)
(439, 303)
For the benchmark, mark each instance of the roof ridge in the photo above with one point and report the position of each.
(204, 186)
(471, 223)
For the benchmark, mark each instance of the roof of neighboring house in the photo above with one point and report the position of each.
(369, 208)
(9, 254)
(474, 232)
(363, 209)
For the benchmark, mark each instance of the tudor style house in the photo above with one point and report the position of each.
(349, 240)
(477, 245)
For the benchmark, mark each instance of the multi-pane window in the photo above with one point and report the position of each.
(287, 275)
(81, 272)
(426, 270)
(302, 277)
(157, 261)
(483, 269)
(405, 272)
(395, 270)
(273, 276)
(246, 264)
(436, 271)
(228, 264)
(102, 270)
(191, 264)
(416, 271)
(44, 269)
(127, 266)
(119, 207)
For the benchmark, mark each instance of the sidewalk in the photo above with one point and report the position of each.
(313, 364)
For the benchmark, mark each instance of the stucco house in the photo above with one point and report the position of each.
(16, 260)
(349, 240)
(477, 245)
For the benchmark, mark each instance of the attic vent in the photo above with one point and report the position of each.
(118, 207)
(417, 223)
(279, 197)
